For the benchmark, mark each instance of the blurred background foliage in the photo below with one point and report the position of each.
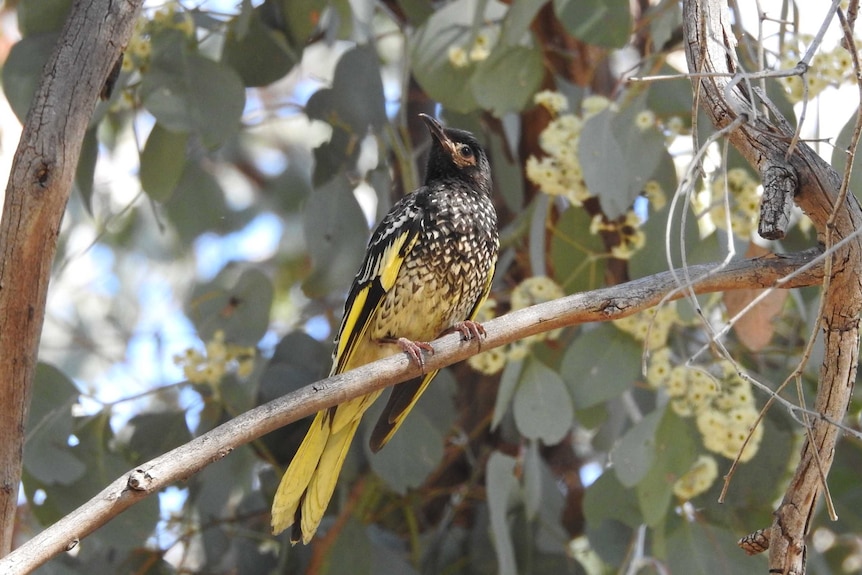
(223, 201)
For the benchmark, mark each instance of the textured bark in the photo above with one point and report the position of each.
(36, 194)
(764, 141)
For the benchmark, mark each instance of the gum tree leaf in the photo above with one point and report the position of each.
(449, 27)
(600, 365)
(247, 37)
(356, 99)
(604, 23)
(508, 385)
(618, 158)
(47, 456)
(163, 162)
(236, 302)
(187, 92)
(336, 239)
(542, 405)
(507, 80)
(502, 492)
(634, 454)
(22, 70)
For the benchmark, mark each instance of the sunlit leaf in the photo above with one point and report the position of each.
(575, 252)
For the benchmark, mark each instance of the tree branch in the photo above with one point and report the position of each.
(786, 271)
(36, 194)
(769, 144)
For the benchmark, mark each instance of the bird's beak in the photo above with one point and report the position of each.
(436, 130)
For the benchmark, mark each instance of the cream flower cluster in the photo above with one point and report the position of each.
(651, 326)
(461, 56)
(627, 228)
(529, 292)
(828, 68)
(698, 479)
(744, 200)
(217, 359)
(718, 399)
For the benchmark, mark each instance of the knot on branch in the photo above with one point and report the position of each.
(139, 480)
(780, 184)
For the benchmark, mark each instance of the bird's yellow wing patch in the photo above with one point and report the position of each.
(378, 275)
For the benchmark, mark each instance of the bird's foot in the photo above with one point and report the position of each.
(469, 329)
(414, 350)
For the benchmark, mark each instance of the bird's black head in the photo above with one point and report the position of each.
(456, 154)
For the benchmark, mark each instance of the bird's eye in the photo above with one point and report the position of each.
(466, 151)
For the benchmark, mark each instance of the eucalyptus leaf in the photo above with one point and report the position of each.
(618, 158)
(356, 101)
(542, 405)
(163, 162)
(532, 469)
(47, 456)
(40, 16)
(600, 364)
(508, 385)
(674, 451)
(608, 499)
(86, 170)
(507, 80)
(236, 302)
(708, 549)
(578, 257)
(336, 233)
(634, 454)
(452, 26)
(605, 23)
(247, 37)
(22, 70)
(188, 92)
(502, 492)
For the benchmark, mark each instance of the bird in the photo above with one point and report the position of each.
(427, 269)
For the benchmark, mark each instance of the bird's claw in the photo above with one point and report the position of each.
(469, 329)
(414, 350)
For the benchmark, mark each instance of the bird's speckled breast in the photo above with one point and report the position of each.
(445, 274)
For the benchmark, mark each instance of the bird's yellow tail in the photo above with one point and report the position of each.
(309, 482)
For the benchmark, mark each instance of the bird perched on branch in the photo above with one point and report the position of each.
(427, 269)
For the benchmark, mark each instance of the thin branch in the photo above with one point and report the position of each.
(599, 305)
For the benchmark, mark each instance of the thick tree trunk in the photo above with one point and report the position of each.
(765, 140)
(38, 189)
